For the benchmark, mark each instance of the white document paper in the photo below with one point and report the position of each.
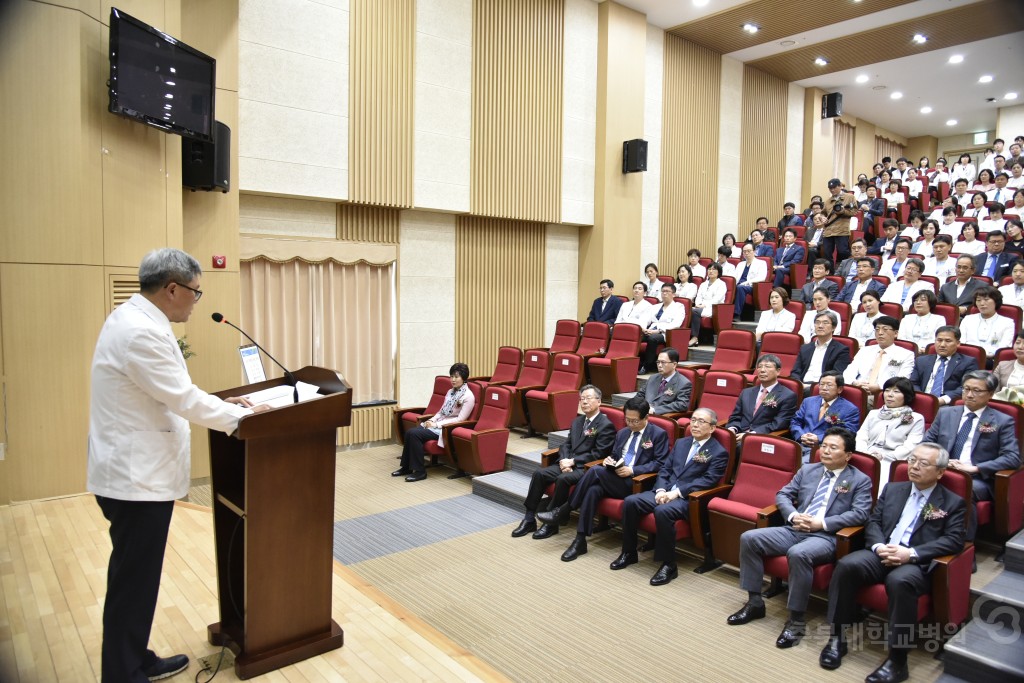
(283, 395)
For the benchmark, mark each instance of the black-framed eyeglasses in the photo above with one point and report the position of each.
(197, 292)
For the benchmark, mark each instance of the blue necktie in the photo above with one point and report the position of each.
(693, 452)
(818, 501)
(631, 449)
(993, 261)
(961, 437)
(908, 520)
(940, 378)
(896, 269)
(743, 277)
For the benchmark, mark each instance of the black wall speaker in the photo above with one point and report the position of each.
(634, 156)
(206, 166)
(831, 105)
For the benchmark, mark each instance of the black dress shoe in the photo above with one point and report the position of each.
(576, 548)
(400, 472)
(889, 672)
(746, 614)
(832, 654)
(624, 560)
(791, 635)
(558, 515)
(546, 531)
(664, 575)
(525, 527)
(416, 476)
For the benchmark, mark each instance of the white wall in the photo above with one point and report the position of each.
(426, 292)
(650, 213)
(561, 266)
(293, 97)
(291, 217)
(579, 111)
(729, 126)
(795, 145)
(443, 107)
(1009, 123)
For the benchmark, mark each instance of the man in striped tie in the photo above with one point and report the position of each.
(821, 499)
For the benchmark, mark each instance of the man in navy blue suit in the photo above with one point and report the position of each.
(828, 409)
(758, 239)
(606, 307)
(863, 282)
(942, 373)
(696, 463)
(913, 523)
(995, 262)
(765, 407)
(981, 440)
(820, 500)
(639, 448)
(788, 254)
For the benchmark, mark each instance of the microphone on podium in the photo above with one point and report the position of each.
(288, 376)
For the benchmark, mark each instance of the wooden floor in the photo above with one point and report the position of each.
(53, 557)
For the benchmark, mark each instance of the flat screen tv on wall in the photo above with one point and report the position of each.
(159, 80)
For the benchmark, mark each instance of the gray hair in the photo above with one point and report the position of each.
(591, 387)
(942, 461)
(710, 413)
(989, 378)
(162, 266)
(770, 358)
(832, 318)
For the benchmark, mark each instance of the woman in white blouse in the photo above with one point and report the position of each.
(923, 248)
(1013, 293)
(949, 226)
(963, 169)
(777, 318)
(986, 328)
(637, 309)
(819, 303)
(684, 288)
(711, 292)
(986, 181)
(903, 290)
(913, 230)
(696, 269)
(891, 432)
(653, 283)
(1017, 208)
(968, 243)
(862, 327)
(919, 327)
(1010, 373)
(729, 240)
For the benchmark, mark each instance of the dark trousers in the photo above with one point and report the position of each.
(598, 482)
(540, 480)
(637, 506)
(138, 533)
(981, 491)
(903, 584)
(651, 350)
(412, 453)
(780, 276)
(840, 244)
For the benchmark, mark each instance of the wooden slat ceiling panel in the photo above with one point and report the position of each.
(944, 29)
(776, 19)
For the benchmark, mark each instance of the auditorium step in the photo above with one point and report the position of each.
(1015, 554)
(509, 488)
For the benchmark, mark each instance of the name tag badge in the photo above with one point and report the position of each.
(494, 397)
(722, 382)
(768, 448)
(565, 361)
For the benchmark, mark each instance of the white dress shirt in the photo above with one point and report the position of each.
(633, 312)
(991, 334)
(1012, 294)
(941, 270)
(898, 293)
(671, 317)
(807, 325)
(770, 321)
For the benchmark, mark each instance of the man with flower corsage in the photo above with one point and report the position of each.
(981, 440)
(765, 407)
(826, 410)
(821, 499)
(913, 523)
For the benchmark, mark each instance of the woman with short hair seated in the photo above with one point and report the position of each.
(891, 432)
(920, 326)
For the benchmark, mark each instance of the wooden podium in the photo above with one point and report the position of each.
(273, 513)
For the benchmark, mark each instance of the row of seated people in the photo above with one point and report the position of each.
(597, 465)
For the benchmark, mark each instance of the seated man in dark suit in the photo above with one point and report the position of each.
(995, 262)
(822, 352)
(788, 254)
(789, 217)
(820, 500)
(640, 448)
(981, 440)
(606, 307)
(886, 246)
(759, 238)
(765, 407)
(863, 282)
(828, 409)
(961, 291)
(668, 391)
(590, 438)
(821, 268)
(873, 206)
(942, 373)
(696, 463)
(905, 533)
(848, 268)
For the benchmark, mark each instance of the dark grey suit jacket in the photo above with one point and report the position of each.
(674, 399)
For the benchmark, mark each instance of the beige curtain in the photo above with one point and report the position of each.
(842, 153)
(336, 315)
(887, 148)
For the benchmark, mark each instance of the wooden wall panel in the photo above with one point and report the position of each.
(381, 89)
(499, 288)
(763, 141)
(689, 150)
(372, 423)
(515, 157)
(373, 224)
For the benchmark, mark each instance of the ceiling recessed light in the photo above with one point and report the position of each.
(821, 61)
(750, 28)
(863, 78)
(951, 122)
(1010, 96)
(919, 39)
(787, 43)
(985, 79)
(956, 59)
(926, 110)
(897, 95)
